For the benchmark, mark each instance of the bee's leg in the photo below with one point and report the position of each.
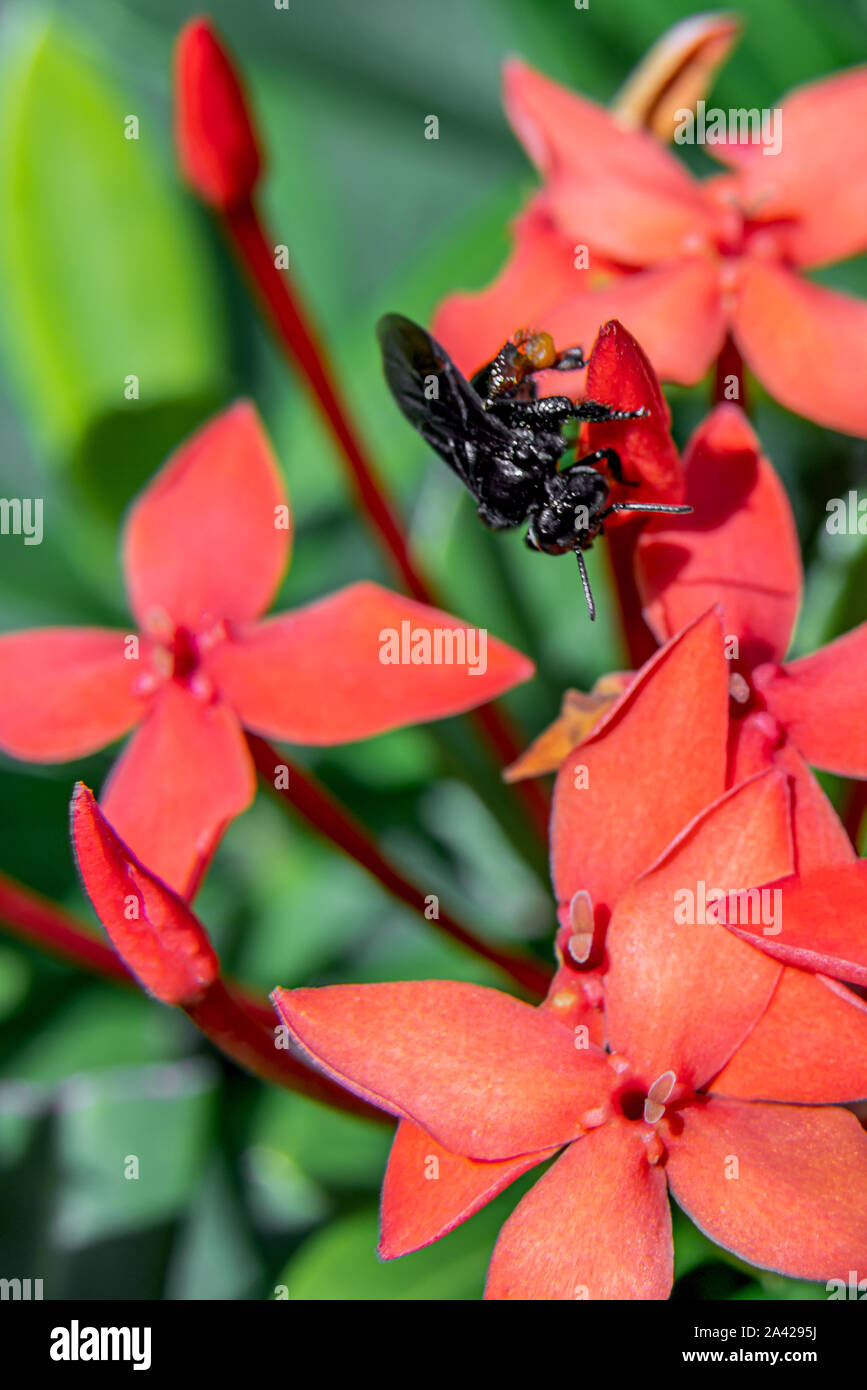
(570, 360)
(530, 539)
(669, 509)
(596, 412)
(544, 413)
(609, 457)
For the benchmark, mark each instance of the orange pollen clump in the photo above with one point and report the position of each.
(540, 351)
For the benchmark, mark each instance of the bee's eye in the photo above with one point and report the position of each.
(540, 351)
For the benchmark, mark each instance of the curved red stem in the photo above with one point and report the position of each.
(326, 814)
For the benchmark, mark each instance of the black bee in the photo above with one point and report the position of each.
(504, 442)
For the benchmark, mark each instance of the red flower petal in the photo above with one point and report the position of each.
(202, 541)
(217, 145)
(824, 923)
(539, 274)
(739, 547)
(619, 190)
(799, 1201)
(673, 311)
(317, 675)
(620, 374)
(65, 692)
(819, 835)
(651, 765)
(676, 995)
(150, 927)
(428, 1190)
(813, 191)
(808, 1048)
(820, 702)
(778, 317)
(185, 774)
(596, 1226)
(486, 1075)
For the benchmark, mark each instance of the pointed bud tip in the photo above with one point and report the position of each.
(216, 141)
(152, 929)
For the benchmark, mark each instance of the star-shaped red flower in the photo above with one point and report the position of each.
(739, 548)
(487, 1087)
(205, 547)
(684, 263)
(701, 1038)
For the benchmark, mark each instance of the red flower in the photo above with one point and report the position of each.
(739, 548)
(684, 263)
(640, 813)
(488, 1087)
(217, 145)
(150, 927)
(204, 549)
(823, 923)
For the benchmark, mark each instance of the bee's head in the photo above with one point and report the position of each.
(570, 513)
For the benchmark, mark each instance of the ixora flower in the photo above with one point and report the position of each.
(708, 1052)
(204, 549)
(486, 1088)
(739, 548)
(622, 229)
(655, 760)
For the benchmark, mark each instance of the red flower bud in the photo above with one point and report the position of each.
(217, 145)
(619, 373)
(150, 927)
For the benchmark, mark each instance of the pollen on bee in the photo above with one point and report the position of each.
(540, 351)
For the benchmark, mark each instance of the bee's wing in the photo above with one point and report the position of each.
(453, 420)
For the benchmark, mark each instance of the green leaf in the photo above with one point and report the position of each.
(98, 1024)
(215, 1257)
(340, 1264)
(324, 1145)
(131, 1143)
(103, 273)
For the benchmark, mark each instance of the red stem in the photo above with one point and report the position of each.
(219, 1016)
(236, 1020)
(297, 337)
(323, 811)
(640, 641)
(730, 364)
(854, 808)
(51, 928)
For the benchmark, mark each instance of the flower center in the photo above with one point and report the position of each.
(176, 654)
(646, 1107)
(185, 655)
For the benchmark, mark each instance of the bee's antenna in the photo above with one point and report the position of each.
(646, 507)
(585, 584)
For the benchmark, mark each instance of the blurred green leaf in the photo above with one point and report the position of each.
(327, 1146)
(99, 1024)
(215, 1257)
(131, 1143)
(340, 1264)
(103, 274)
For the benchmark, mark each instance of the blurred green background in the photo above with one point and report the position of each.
(108, 267)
